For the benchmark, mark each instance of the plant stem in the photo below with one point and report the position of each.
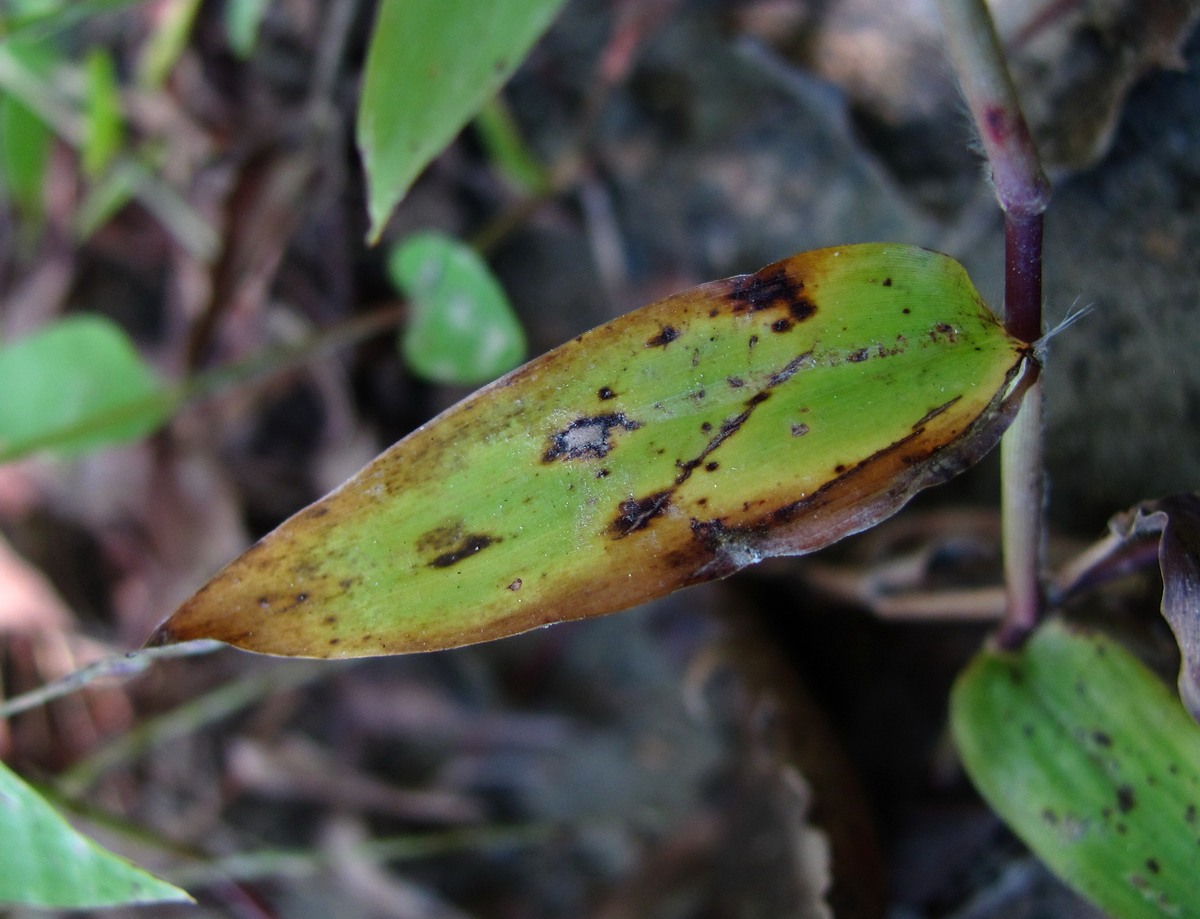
(1022, 190)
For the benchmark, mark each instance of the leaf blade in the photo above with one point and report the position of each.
(74, 386)
(431, 65)
(761, 415)
(44, 862)
(461, 328)
(1092, 762)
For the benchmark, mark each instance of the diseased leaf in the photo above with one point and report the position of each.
(74, 386)
(460, 328)
(767, 414)
(44, 862)
(1092, 762)
(431, 65)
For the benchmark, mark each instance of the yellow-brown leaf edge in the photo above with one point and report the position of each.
(760, 415)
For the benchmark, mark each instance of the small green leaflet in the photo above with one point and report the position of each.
(461, 328)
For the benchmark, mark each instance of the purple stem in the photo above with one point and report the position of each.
(1022, 190)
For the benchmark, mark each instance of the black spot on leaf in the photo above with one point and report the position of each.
(1125, 800)
(666, 335)
(472, 543)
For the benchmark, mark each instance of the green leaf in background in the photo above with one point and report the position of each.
(46, 863)
(103, 124)
(24, 137)
(767, 414)
(242, 21)
(174, 19)
(74, 386)
(431, 66)
(461, 328)
(506, 148)
(1093, 762)
(39, 18)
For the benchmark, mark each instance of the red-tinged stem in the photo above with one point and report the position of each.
(1023, 275)
(1022, 190)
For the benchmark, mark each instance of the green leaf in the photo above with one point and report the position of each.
(75, 386)
(174, 19)
(506, 148)
(461, 328)
(431, 65)
(103, 125)
(39, 18)
(242, 21)
(24, 137)
(105, 198)
(44, 862)
(1093, 762)
(767, 414)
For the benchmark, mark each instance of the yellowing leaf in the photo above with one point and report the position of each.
(767, 414)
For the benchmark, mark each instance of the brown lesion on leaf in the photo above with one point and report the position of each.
(604, 393)
(471, 544)
(789, 512)
(588, 437)
(943, 330)
(636, 513)
(771, 288)
(665, 336)
(934, 412)
(441, 537)
(858, 356)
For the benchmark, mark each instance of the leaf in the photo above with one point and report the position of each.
(103, 126)
(44, 862)
(243, 18)
(74, 386)
(1089, 758)
(24, 137)
(173, 27)
(431, 65)
(768, 414)
(37, 19)
(500, 136)
(461, 328)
